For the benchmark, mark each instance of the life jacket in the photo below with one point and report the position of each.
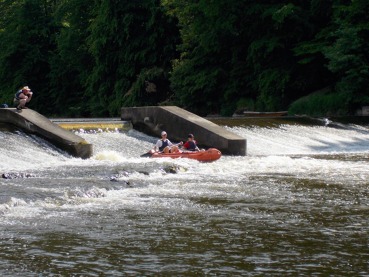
(191, 145)
(17, 94)
(164, 143)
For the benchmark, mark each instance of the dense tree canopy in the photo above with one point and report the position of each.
(90, 58)
(132, 43)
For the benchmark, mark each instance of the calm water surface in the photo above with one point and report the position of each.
(298, 204)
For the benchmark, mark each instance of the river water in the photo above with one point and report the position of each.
(297, 204)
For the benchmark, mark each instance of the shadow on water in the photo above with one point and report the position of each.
(7, 127)
(340, 146)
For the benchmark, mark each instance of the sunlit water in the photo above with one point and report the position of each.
(297, 204)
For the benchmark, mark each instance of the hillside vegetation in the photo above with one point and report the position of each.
(90, 58)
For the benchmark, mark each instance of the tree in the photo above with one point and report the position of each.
(349, 53)
(207, 31)
(71, 62)
(236, 50)
(132, 43)
(26, 41)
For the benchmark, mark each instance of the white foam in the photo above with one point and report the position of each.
(298, 140)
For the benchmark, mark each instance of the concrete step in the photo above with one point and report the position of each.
(87, 124)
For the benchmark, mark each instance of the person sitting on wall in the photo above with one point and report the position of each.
(190, 144)
(23, 96)
(165, 145)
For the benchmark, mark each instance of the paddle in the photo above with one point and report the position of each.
(148, 154)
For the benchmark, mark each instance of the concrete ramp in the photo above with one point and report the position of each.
(178, 123)
(33, 122)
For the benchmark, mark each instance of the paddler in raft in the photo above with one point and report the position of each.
(190, 144)
(164, 145)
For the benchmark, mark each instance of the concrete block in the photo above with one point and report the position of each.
(178, 123)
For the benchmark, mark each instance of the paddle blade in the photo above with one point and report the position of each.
(148, 154)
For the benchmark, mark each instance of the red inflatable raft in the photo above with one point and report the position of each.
(210, 155)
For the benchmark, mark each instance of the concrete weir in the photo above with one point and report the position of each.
(179, 122)
(33, 122)
(96, 124)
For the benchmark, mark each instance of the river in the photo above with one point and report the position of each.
(296, 205)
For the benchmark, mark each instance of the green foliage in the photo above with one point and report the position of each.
(348, 54)
(235, 49)
(25, 43)
(71, 62)
(200, 77)
(150, 86)
(201, 88)
(271, 83)
(322, 104)
(90, 58)
(246, 104)
(128, 39)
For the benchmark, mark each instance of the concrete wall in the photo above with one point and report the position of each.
(33, 122)
(178, 123)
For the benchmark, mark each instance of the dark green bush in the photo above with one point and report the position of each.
(322, 104)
